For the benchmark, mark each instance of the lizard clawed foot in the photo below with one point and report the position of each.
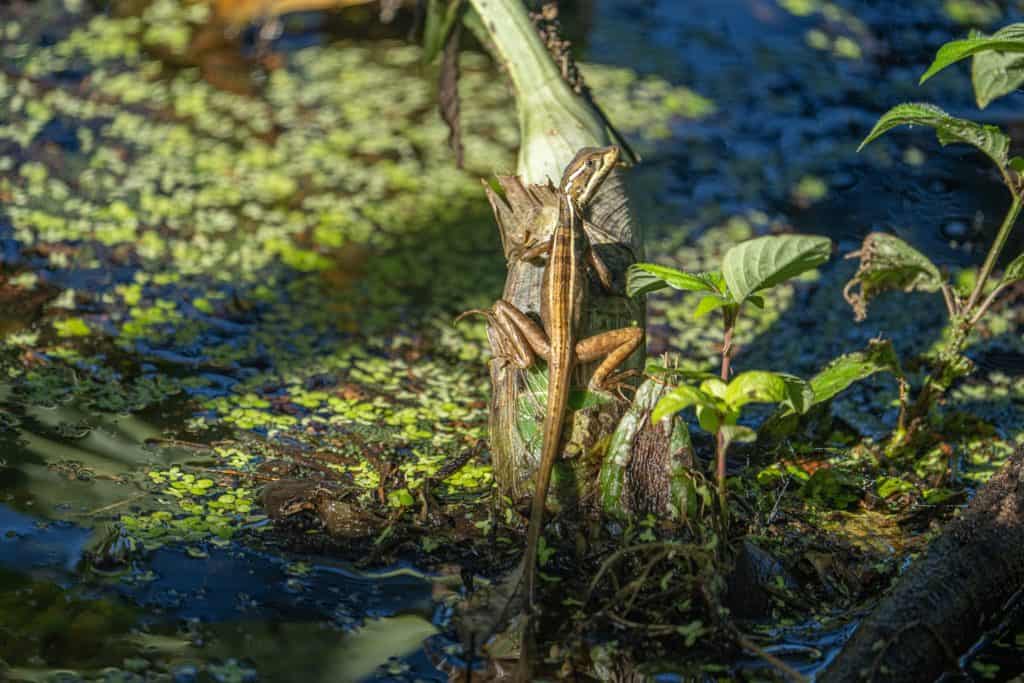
(617, 385)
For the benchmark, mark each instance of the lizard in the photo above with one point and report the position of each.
(563, 301)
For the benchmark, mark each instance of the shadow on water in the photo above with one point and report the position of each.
(214, 608)
(231, 609)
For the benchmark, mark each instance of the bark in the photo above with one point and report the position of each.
(950, 596)
(555, 122)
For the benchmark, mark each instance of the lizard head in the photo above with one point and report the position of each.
(587, 171)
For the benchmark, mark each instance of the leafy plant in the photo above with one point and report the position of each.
(719, 406)
(887, 262)
(747, 269)
(838, 375)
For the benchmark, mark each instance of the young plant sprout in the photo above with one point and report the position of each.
(747, 268)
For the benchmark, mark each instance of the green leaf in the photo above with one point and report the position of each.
(642, 278)
(995, 74)
(832, 488)
(765, 262)
(890, 486)
(853, 367)
(760, 386)
(949, 129)
(680, 398)
(714, 386)
(71, 327)
(472, 21)
(757, 301)
(708, 418)
(1007, 39)
(1014, 272)
(441, 16)
(711, 302)
(676, 374)
(886, 263)
(734, 433)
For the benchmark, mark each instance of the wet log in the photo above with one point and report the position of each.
(950, 596)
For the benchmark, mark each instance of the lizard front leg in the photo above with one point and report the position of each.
(615, 346)
(532, 251)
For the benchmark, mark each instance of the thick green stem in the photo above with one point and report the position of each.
(553, 120)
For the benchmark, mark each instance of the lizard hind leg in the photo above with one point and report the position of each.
(614, 346)
(516, 339)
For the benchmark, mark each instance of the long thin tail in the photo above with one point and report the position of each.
(558, 397)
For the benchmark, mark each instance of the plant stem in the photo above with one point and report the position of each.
(993, 254)
(964, 321)
(720, 447)
(729, 319)
(729, 316)
(554, 122)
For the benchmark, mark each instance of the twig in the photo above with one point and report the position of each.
(622, 552)
(775, 662)
(654, 629)
(986, 304)
(951, 304)
(119, 503)
(181, 443)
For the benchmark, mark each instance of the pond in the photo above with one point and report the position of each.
(230, 264)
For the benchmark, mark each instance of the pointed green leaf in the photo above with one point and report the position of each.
(708, 418)
(765, 262)
(676, 374)
(887, 262)
(642, 278)
(995, 74)
(757, 301)
(760, 386)
(712, 302)
(1014, 272)
(949, 129)
(830, 381)
(441, 16)
(713, 386)
(1007, 39)
(853, 367)
(733, 433)
(680, 398)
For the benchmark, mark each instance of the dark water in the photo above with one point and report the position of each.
(259, 616)
(787, 111)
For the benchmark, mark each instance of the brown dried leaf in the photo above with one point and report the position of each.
(448, 93)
